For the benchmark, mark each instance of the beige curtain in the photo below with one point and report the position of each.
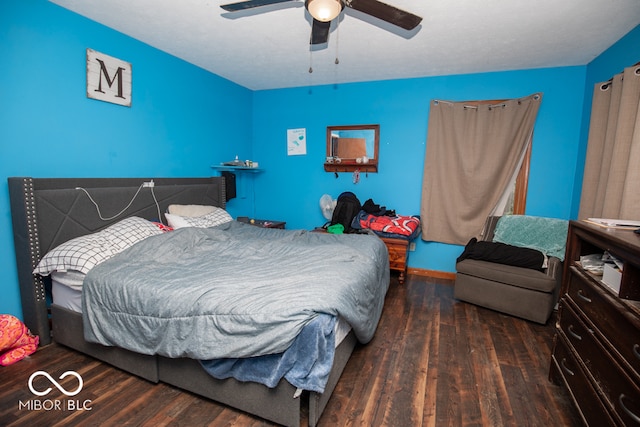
(611, 182)
(472, 154)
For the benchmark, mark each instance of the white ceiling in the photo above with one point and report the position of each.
(270, 49)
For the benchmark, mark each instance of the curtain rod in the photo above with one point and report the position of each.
(492, 103)
(605, 85)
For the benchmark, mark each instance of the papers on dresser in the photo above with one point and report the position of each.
(614, 223)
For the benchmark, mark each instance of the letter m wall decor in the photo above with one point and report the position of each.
(108, 78)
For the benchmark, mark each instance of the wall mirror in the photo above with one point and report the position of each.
(351, 148)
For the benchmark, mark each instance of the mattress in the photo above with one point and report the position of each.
(66, 289)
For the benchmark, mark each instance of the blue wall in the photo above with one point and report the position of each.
(184, 119)
(292, 185)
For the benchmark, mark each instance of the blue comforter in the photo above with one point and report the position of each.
(306, 364)
(233, 291)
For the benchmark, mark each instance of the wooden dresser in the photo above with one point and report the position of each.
(596, 352)
(398, 254)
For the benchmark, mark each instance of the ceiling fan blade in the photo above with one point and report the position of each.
(387, 13)
(320, 32)
(250, 4)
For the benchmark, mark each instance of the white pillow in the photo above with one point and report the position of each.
(217, 217)
(190, 210)
(85, 252)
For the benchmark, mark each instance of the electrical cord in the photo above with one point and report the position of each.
(153, 194)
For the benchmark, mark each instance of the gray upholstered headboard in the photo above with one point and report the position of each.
(49, 211)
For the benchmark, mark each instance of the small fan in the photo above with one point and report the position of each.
(327, 205)
(324, 11)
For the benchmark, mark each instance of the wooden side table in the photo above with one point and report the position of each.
(264, 223)
(398, 254)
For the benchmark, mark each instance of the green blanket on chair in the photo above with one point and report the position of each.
(548, 235)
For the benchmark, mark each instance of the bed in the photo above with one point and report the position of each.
(49, 212)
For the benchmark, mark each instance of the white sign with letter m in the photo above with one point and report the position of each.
(108, 78)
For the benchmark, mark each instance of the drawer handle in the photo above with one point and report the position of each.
(633, 416)
(636, 350)
(563, 363)
(573, 334)
(583, 296)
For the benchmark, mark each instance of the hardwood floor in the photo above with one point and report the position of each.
(434, 361)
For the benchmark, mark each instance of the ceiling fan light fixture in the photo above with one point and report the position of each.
(324, 10)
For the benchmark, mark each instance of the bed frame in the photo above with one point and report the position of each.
(49, 211)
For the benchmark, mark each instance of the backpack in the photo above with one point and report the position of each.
(347, 207)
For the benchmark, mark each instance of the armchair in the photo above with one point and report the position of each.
(523, 292)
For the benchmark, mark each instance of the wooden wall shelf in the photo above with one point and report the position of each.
(236, 168)
(351, 166)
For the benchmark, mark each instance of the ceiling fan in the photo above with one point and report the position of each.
(325, 11)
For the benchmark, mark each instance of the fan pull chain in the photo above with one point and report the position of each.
(337, 61)
(310, 71)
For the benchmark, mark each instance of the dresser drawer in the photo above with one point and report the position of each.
(621, 329)
(591, 408)
(579, 335)
(610, 377)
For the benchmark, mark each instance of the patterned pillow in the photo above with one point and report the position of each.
(85, 252)
(217, 217)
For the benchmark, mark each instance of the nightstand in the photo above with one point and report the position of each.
(398, 254)
(264, 223)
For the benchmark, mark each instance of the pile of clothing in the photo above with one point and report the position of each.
(385, 222)
(16, 341)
